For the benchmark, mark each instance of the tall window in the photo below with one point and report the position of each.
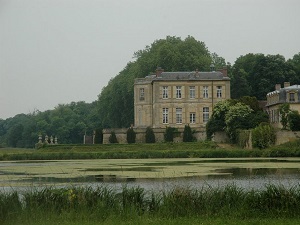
(142, 94)
(205, 91)
(165, 92)
(192, 92)
(178, 115)
(178, 91)
(165, 115)
(219, 91)
(192, 117)
(205, 114)
(292, 97)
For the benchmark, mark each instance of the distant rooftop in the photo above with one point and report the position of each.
(193, 75)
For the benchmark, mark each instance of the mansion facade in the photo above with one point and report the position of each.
(287, 94)
(178, 98)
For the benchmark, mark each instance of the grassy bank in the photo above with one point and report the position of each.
(142, 151)
(227, 205)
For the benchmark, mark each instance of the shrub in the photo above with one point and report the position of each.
(294, 120)
(263, 136)
(187, 134)
(150, 137)
(130, 135)
(113, 138)
(243, 138)
(169, 134)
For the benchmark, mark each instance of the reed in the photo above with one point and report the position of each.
(104, 203)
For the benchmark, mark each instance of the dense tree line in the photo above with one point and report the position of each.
(256, 74)
(251, 75)
(68, 122)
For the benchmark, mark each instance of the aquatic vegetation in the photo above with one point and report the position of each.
(103, 203)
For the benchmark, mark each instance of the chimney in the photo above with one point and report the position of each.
(286, 84)
(224, 71)
(159, 70)
(277, 87)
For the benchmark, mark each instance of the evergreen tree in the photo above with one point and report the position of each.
(187, 134)
(113, 138)
(130, 135)
(169, 134)
(150, 136)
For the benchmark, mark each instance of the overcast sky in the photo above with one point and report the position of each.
(58, 51)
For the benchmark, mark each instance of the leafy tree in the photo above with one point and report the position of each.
(240, 85)
(113, 138)
(217, 120)
(237, 118)
(263, 136)
(295, 64)
(260, 73)
(217, 61)
(187, 134)
(68, 122)
(98, 136)
(294, 120)
(169, 134)
(284, 110)
(150, 136)
(15, 135)
(130, 135)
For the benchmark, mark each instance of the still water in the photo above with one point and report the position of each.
(151, 174)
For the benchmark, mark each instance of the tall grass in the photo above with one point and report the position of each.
(102, 203)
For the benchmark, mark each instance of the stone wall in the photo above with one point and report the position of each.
(121, 134)
(283, 136)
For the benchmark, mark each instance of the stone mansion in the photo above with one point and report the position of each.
(178, 98)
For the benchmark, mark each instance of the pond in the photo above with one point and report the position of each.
(151, 174)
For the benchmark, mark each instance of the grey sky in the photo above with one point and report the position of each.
(58, 51)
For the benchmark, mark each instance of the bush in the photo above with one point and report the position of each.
(150, 137)
(113, 138)
(263, 136)
(187, 134)
(169, 134)
(130, 135)
(294, 120)
(243, 138)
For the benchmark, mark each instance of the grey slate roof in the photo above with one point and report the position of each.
(194, 75)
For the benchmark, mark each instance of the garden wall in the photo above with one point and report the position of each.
(283, 136)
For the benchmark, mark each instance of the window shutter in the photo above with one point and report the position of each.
(173, 117)
(183, 116)
(174, 92)
(196, 92)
